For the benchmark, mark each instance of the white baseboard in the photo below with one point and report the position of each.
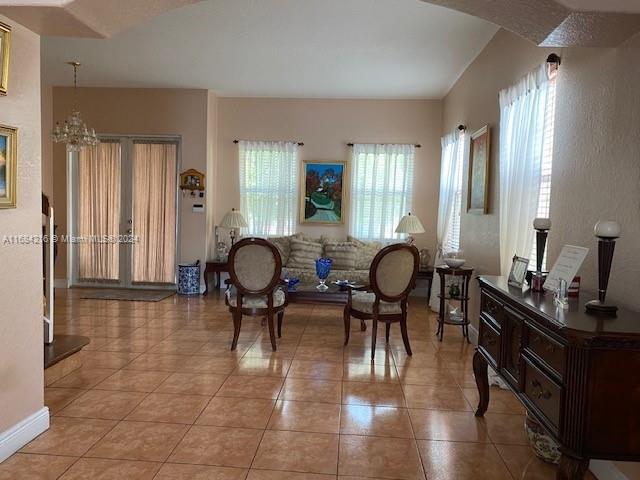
(60, 283)
(605, 470)
(23, 432)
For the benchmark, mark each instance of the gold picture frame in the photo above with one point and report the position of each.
(5, 51)
(479, 158)
(8, 166)
(323, 192)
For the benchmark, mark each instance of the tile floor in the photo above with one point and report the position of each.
(160, 396)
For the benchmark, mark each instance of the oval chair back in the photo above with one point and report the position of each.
(255, 266)
(393, 272)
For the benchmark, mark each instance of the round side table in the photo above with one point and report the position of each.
(464, 273)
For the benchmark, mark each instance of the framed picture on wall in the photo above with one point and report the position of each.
(8, 165)
(5, 46)
(479, 155)
(322, 195)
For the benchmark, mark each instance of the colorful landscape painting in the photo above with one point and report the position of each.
(323, 192)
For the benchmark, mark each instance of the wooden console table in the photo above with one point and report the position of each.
(576, 373)
(217, 267)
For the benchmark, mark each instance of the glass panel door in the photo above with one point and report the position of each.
(123, 189)
(154, 211)
(98, 213)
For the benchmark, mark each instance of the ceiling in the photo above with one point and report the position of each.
(282, 48)
(623, 6)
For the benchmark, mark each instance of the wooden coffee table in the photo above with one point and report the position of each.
(308, 293)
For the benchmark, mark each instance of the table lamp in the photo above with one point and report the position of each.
(542, 227)
(233, 220)
(607, 232)
(410, 224)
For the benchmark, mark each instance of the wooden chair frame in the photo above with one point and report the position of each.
(238, 311)
(373, 286)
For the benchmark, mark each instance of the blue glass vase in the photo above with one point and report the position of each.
(323, 268)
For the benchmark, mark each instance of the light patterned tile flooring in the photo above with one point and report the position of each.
(160, 396)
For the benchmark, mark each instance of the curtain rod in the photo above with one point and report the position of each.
(300, 144)
(417, 145)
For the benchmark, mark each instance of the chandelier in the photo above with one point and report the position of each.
(74, 132)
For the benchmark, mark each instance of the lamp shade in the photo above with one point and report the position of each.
(233, 219)
(410, 224)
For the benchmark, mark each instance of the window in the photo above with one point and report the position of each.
(526, 138)
(544, 198)
(269, 187)
(381, 189)
(452, 240)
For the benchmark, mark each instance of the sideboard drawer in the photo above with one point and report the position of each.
(547, 349)
(490, 341)
(544, 393)
(491, 307)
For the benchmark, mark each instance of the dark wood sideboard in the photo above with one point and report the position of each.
(576, 373)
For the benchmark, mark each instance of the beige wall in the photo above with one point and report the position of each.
(21, 331)
(596, 168)
(128, 111)
(325, 127)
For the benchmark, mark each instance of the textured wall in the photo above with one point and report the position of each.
(21, 334)
(597, 161)
(325, 127)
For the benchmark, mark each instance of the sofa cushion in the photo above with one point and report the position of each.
(365, 251)
(304, 254)
(343, 254)
(283, 244)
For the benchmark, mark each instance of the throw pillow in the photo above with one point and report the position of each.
(304, 254)
(343, 255)
(283, 244)
(365, 252)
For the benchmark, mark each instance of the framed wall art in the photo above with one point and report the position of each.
(479, 155)
(8, 166)
(322, 196)
(5, 50)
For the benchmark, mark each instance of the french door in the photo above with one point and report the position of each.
(124, 213)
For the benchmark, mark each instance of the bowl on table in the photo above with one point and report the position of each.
(454, 262)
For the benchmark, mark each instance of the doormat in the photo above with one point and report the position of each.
(127, 295)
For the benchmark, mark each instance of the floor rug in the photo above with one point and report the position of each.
(127, 295)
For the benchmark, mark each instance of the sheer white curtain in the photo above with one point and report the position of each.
(269, 187)
(381, 189)
(523, 112)
(450, 190)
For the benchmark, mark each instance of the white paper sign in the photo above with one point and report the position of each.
(566, 266)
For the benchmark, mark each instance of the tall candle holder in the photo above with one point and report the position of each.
(607, 233)
(542, 226)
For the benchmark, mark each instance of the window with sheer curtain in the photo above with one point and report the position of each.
(544, 197)
(526, 129)
(269, 187)
(381, 189)
(452, 239)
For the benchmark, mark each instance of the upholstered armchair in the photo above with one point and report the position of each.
(392, 276)
(254, 287)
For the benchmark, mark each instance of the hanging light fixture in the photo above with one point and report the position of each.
(75, 132)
